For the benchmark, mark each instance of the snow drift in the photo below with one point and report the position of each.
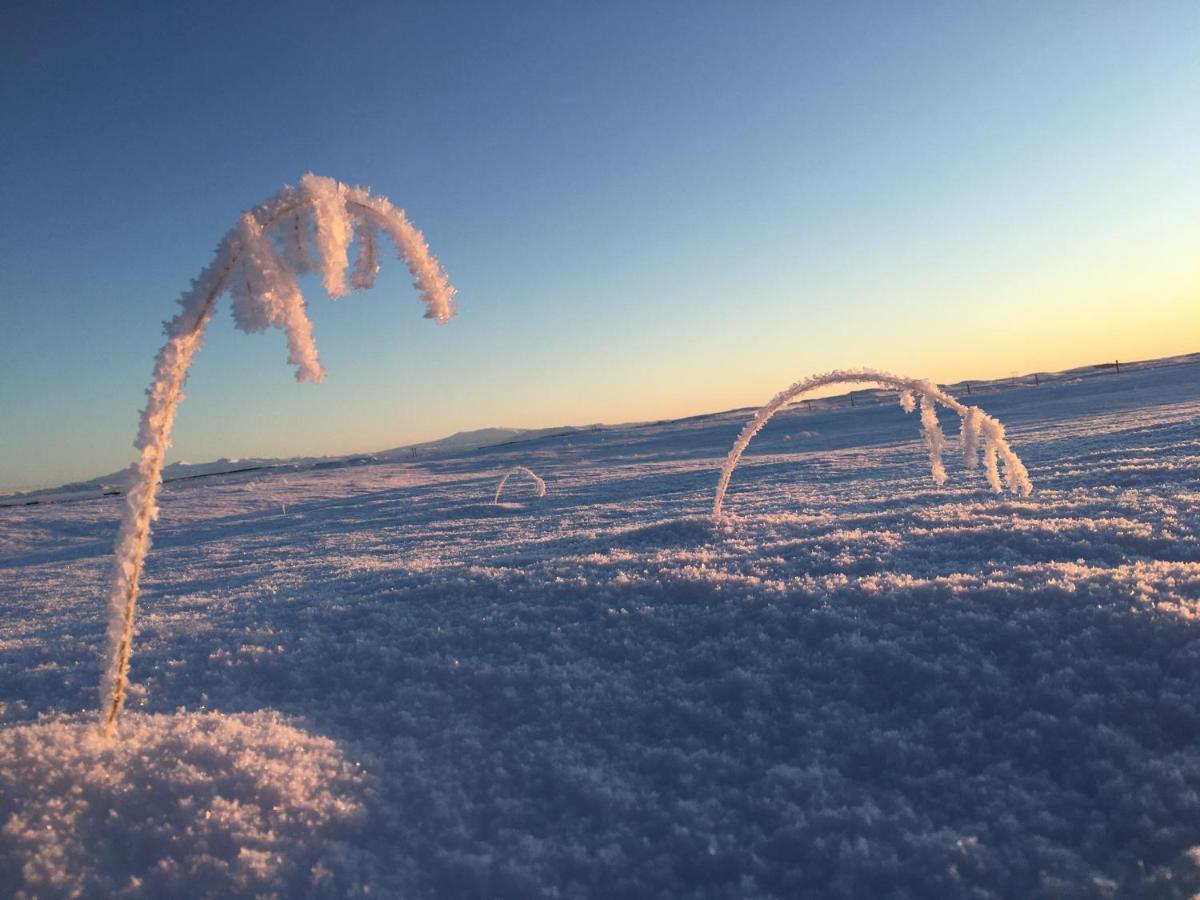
(227, 805)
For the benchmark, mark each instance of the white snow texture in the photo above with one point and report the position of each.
(360, 678)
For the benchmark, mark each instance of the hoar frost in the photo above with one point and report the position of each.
(977, 426)
(296, 231)
(539, 486)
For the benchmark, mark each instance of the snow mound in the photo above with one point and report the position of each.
(197, 804)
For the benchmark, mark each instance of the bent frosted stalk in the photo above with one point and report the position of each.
(538, 484)
(248, 262)
(977, 426)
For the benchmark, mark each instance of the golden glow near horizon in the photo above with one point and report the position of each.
(967, 193)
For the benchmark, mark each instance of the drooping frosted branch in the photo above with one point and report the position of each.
(428, 277)
(294, 236)
(331, 222)
(258, 262)
(538, 485)
(265, 293)
(184, 334)
(935, 441)
(366, 264)
(1015, 474)
(995, 444)
(968, 436)
(989, 466)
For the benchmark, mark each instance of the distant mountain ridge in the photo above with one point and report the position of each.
(473, 440)
(115, 482)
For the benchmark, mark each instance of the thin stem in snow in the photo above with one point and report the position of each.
(266, 294)
(976, 423)
(538, 485)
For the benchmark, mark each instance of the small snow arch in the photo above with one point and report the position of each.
(538, 484)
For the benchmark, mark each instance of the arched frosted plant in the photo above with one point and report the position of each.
(304, 229)
(977, 429)
(538, 485)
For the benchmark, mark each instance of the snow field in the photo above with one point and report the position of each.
(858, 683)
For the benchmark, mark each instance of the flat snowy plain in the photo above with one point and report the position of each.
(365, 679)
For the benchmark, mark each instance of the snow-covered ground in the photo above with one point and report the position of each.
(367, 679)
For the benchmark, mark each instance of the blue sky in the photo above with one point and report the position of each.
(649, 210)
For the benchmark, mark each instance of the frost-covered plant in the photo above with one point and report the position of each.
(538, 485)
(977, 428)
(309, 228)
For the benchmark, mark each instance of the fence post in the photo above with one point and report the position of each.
(1036, 380)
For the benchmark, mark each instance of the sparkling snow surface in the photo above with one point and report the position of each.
(368, 679)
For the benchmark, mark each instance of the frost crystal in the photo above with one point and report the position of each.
(263, 283)
(976, 424)
(539, 486)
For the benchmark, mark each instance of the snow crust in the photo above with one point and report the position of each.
(858, 684)
(233, 804)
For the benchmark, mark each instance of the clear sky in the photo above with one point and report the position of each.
(650, 209)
